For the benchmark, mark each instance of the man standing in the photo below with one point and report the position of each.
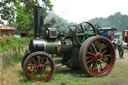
(114, 43)
(120, 49)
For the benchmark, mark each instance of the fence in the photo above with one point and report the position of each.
(15, 51)
(8, 54)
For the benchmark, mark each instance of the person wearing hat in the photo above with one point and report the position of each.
(120, 48)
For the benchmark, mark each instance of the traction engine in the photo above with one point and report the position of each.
(80, 46)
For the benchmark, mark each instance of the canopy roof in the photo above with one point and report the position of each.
(7, 28)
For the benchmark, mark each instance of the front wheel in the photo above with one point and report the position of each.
(27, 52)
(97, 56)
(39, 66)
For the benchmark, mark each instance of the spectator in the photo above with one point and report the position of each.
(114, 43)
(110, 35)
(120, 49)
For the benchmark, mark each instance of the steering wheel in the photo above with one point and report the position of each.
(82, 31)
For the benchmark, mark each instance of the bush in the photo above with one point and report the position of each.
(9, 43)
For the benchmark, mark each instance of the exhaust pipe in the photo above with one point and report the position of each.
(41, 26)
(37, 22)
(37, 44)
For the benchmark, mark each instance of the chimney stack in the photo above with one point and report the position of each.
(37, 21)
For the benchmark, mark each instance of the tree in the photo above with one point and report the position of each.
(117, 20)
(20, 12)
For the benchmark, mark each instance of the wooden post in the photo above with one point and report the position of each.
(10, 33)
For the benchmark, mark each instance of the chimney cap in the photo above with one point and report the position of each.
(37, 7)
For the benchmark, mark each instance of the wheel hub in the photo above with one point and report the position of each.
(98, 57)
(40, 67)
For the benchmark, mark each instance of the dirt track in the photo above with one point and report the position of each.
(125, 60)
(120, 70)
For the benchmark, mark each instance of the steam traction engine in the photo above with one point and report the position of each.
(81, 47)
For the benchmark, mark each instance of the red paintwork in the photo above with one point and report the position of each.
(125, 38)
(107, 68)
(41, 79)
(7, 30)
(123, 35)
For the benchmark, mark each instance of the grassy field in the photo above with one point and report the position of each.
(13, 75)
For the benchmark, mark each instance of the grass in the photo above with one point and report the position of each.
(13, 59)
(62, 76)
(14, 75)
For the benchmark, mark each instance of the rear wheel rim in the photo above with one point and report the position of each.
(99, 58)
(39, 68)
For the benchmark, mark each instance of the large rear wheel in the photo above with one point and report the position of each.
(97, 56)
(39, 66)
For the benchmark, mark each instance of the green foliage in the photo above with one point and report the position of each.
(117, 20)
(9, 43)
(9, 8)
(20, 12)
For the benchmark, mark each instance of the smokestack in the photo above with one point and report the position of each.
(37, 21)
(41, 25)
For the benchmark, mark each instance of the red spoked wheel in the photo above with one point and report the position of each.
(27, 52)
(97, 56)
(39, 66)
